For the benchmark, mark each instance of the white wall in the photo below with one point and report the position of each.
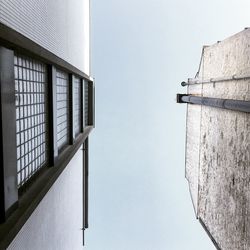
(222, 138)
(61, 26)
(57, 221)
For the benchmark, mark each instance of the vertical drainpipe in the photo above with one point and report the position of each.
(85, 186)
(87, 183)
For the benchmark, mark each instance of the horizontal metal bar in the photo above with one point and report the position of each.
(192, 81)
(236, 105)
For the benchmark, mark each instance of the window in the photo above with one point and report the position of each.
(77, 106)
(62, 102)
(86, 103)
(31, 116)
(89, 103)
(31, 87)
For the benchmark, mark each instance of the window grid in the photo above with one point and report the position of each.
(62, 100)
(77, 106)
(86, 103)
(31, 114)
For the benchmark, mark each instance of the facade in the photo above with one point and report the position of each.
(217, 141)
(47, 114)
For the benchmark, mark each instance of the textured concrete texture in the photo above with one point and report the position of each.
(218, 150)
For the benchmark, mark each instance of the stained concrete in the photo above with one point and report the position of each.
(218, 150)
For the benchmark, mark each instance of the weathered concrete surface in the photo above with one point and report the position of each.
(222, 146)
(193, 146)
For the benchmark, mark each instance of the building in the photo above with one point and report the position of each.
(217, 141)
(47, 114)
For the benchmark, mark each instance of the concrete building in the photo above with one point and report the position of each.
(217, 141)
(47, 114)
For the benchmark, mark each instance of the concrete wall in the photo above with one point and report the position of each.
(57, 221)
(61, 26)
(193, 146)
(218, 145)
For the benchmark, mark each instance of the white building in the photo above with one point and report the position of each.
(217, 142)
(47, 113)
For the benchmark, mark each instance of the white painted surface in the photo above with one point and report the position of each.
(193, 151)
(61, 26)
(57, 221)
(224, 153)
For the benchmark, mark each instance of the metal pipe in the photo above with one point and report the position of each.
(236, 105)
(192, 81)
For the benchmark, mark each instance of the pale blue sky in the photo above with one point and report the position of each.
(141, 51)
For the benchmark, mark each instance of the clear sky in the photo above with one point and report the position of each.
(141, 51)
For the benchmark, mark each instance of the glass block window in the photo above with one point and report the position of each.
(31, 117)
(62, 102)
(86, 103)
(77, 105)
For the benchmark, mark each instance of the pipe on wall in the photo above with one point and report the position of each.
(236, 105)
